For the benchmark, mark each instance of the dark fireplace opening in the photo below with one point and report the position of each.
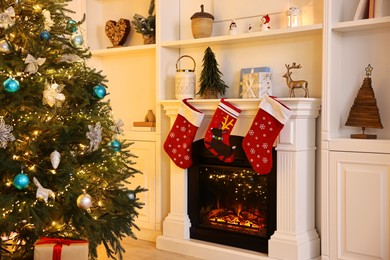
(229, 203)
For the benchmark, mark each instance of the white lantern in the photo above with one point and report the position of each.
(294, 17)
(185, 81)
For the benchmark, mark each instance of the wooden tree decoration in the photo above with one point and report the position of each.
(211, 84)
(364, 111)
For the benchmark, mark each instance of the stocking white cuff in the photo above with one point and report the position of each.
(275, 109)
(190, 113)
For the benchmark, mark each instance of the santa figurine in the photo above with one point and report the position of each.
(265, 23)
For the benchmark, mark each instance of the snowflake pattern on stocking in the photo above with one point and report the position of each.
(259, 148)
(258, 142)
(178, 144)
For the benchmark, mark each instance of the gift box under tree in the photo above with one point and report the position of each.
(60, 249)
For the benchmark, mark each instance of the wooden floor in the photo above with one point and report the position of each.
(141, 249)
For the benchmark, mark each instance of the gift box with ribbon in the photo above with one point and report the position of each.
(60, 249)
(255, 82)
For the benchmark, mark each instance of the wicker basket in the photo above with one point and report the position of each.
(202, 24)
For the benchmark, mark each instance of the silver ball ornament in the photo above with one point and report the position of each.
(77, 40)
(4, 47)
(131, 195)
(84, 201)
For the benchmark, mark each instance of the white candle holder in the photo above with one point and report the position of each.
(294, 17)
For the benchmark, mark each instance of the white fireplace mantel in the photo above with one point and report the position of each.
(295, 236)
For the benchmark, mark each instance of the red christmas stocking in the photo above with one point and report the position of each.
(258, 142)
(178, 144)
(218, 132)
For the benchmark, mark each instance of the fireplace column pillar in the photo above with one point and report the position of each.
(177, 224)
(296, 236)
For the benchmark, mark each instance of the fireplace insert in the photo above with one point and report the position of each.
(229, 203)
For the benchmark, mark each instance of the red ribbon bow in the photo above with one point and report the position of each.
(59, 242)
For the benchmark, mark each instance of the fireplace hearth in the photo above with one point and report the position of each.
(229, 203)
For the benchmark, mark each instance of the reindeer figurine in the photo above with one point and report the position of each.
(293, 84)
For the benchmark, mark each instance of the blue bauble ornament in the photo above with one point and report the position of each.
(11, 85)
(21, 181)
(77, 40)
(44, 35)
(71, 26)
(99, 91)
(116, 145)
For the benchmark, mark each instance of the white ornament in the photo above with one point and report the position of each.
(5, 133)
(84, 201)
(117, 128)
(33, 64)
(55, 158)
(52, 95)
(70, 58)
(43, 193)
(48, 22)
(95, 136)
(6, 18)
(4, 47)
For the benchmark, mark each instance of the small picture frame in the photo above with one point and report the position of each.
(255, 82)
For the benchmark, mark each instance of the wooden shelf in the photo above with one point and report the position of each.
(124, 50)
(360, 145)
(246, 37)
(365, 24)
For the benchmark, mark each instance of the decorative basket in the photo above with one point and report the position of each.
(202, 24)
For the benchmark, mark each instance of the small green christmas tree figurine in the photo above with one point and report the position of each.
(211, 84)
(64, 167)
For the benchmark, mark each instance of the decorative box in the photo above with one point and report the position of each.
(255, 82)
(60, 249)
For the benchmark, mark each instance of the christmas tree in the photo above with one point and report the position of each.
(64, 167)
(211, 85)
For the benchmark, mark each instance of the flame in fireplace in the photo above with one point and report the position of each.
(234, 219)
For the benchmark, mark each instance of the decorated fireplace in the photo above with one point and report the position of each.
(294, 235)
(231, 204)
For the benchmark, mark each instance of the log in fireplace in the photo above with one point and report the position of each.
(229, 203)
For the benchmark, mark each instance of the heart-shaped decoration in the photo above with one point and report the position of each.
(117, 32)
